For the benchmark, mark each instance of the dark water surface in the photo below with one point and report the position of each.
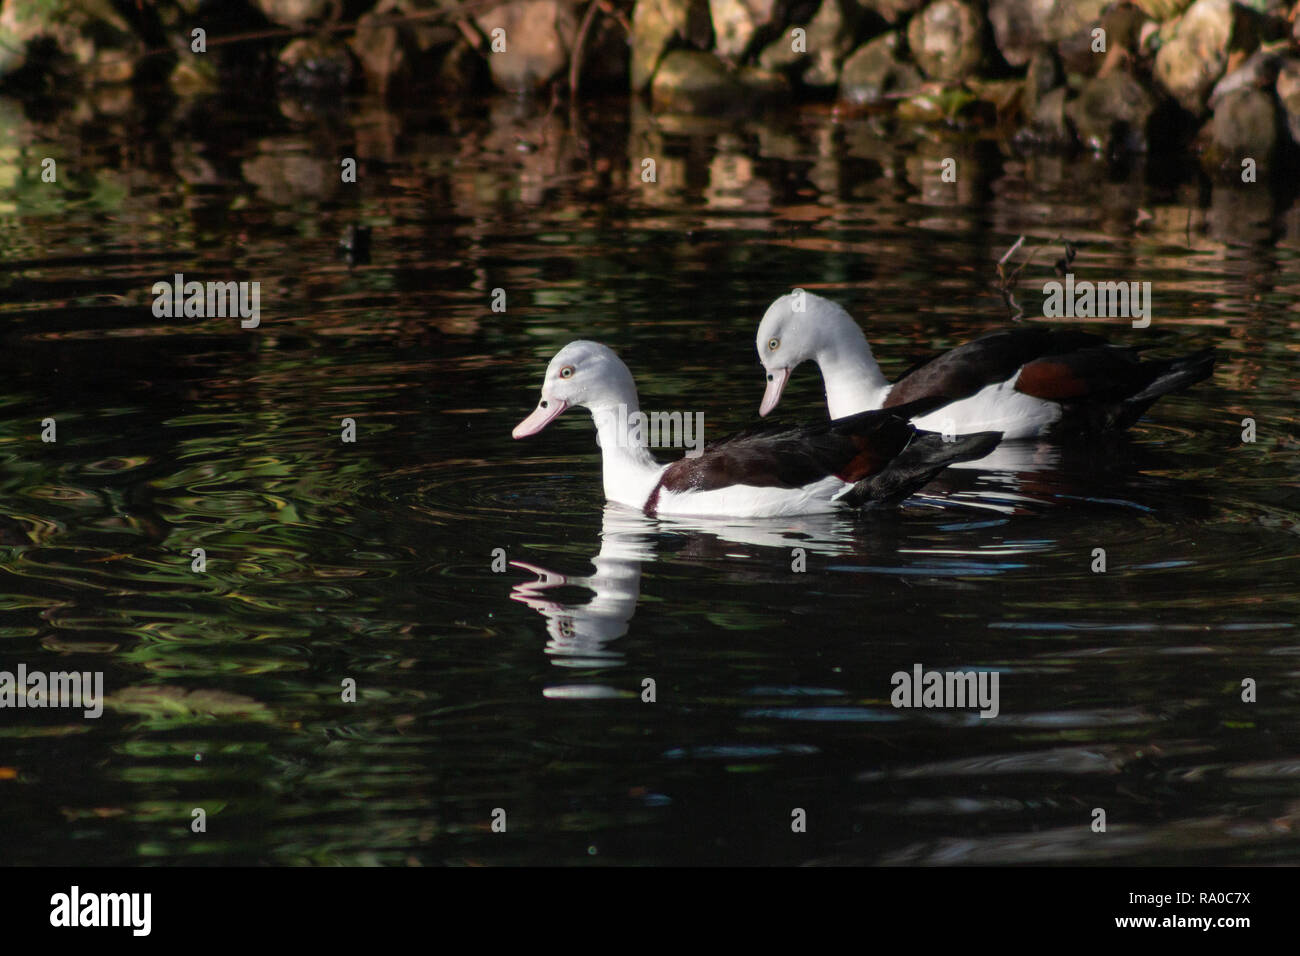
(521, 690)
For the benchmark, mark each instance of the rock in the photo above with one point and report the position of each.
(891, 11)
(1021, 26)
(1077, 56)
(1288, 96)
(736, 21)
(830, 37)
(394, 53)
(1047, 121)
(874, 69)
(295, 13)
(1259, 71)
(1082, 52)
(89, 34)
(767, 85)
(1043, 76)
(113, 66)
(194, 75)
(1162, 10)
(382, 49)
(1124, 24)
(656, 24)
(1112, 112)
(1194, 54)
(692, 81)
(1243, 126)
(315, 63)
(945, 39)
(537, 37)
(780, 54)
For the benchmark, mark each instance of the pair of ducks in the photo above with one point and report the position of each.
(880, 443)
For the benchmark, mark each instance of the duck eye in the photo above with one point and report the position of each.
(773, 344)
(566, 372)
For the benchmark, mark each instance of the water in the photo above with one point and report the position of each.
(522, 690)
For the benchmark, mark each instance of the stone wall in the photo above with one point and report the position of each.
(1213, 75)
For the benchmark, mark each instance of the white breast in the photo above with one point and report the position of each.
(627, 484)
(995, 408)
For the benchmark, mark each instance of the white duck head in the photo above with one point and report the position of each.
(585, 374)
(801, 327)
(589, 375)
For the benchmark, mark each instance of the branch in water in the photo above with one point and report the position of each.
(1006, 284)
(575, 60)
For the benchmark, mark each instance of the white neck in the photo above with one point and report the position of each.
(854, 382)
(629, 470)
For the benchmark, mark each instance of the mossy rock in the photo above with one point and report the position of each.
(692, 81)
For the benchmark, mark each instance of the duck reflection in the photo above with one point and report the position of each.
(579, 633)
(1014, 476)
(1034, 477)
(925, 538)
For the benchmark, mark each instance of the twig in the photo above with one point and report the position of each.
(472, 36)
(1009, 253)
(1006, 284)
(575, 61)
(610, 10)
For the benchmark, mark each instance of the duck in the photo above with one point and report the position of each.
(871, 460)
(1025, 382)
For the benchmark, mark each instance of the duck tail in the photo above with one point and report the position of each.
(1175, 375)
(925, 456)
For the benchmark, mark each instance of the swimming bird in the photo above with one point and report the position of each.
(874, 459)
(1023, 382)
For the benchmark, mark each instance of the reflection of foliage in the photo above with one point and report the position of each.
(76, 185)
(46, 730)
(25, 193)
(177, 705)
(153, 811)
(739, 619)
